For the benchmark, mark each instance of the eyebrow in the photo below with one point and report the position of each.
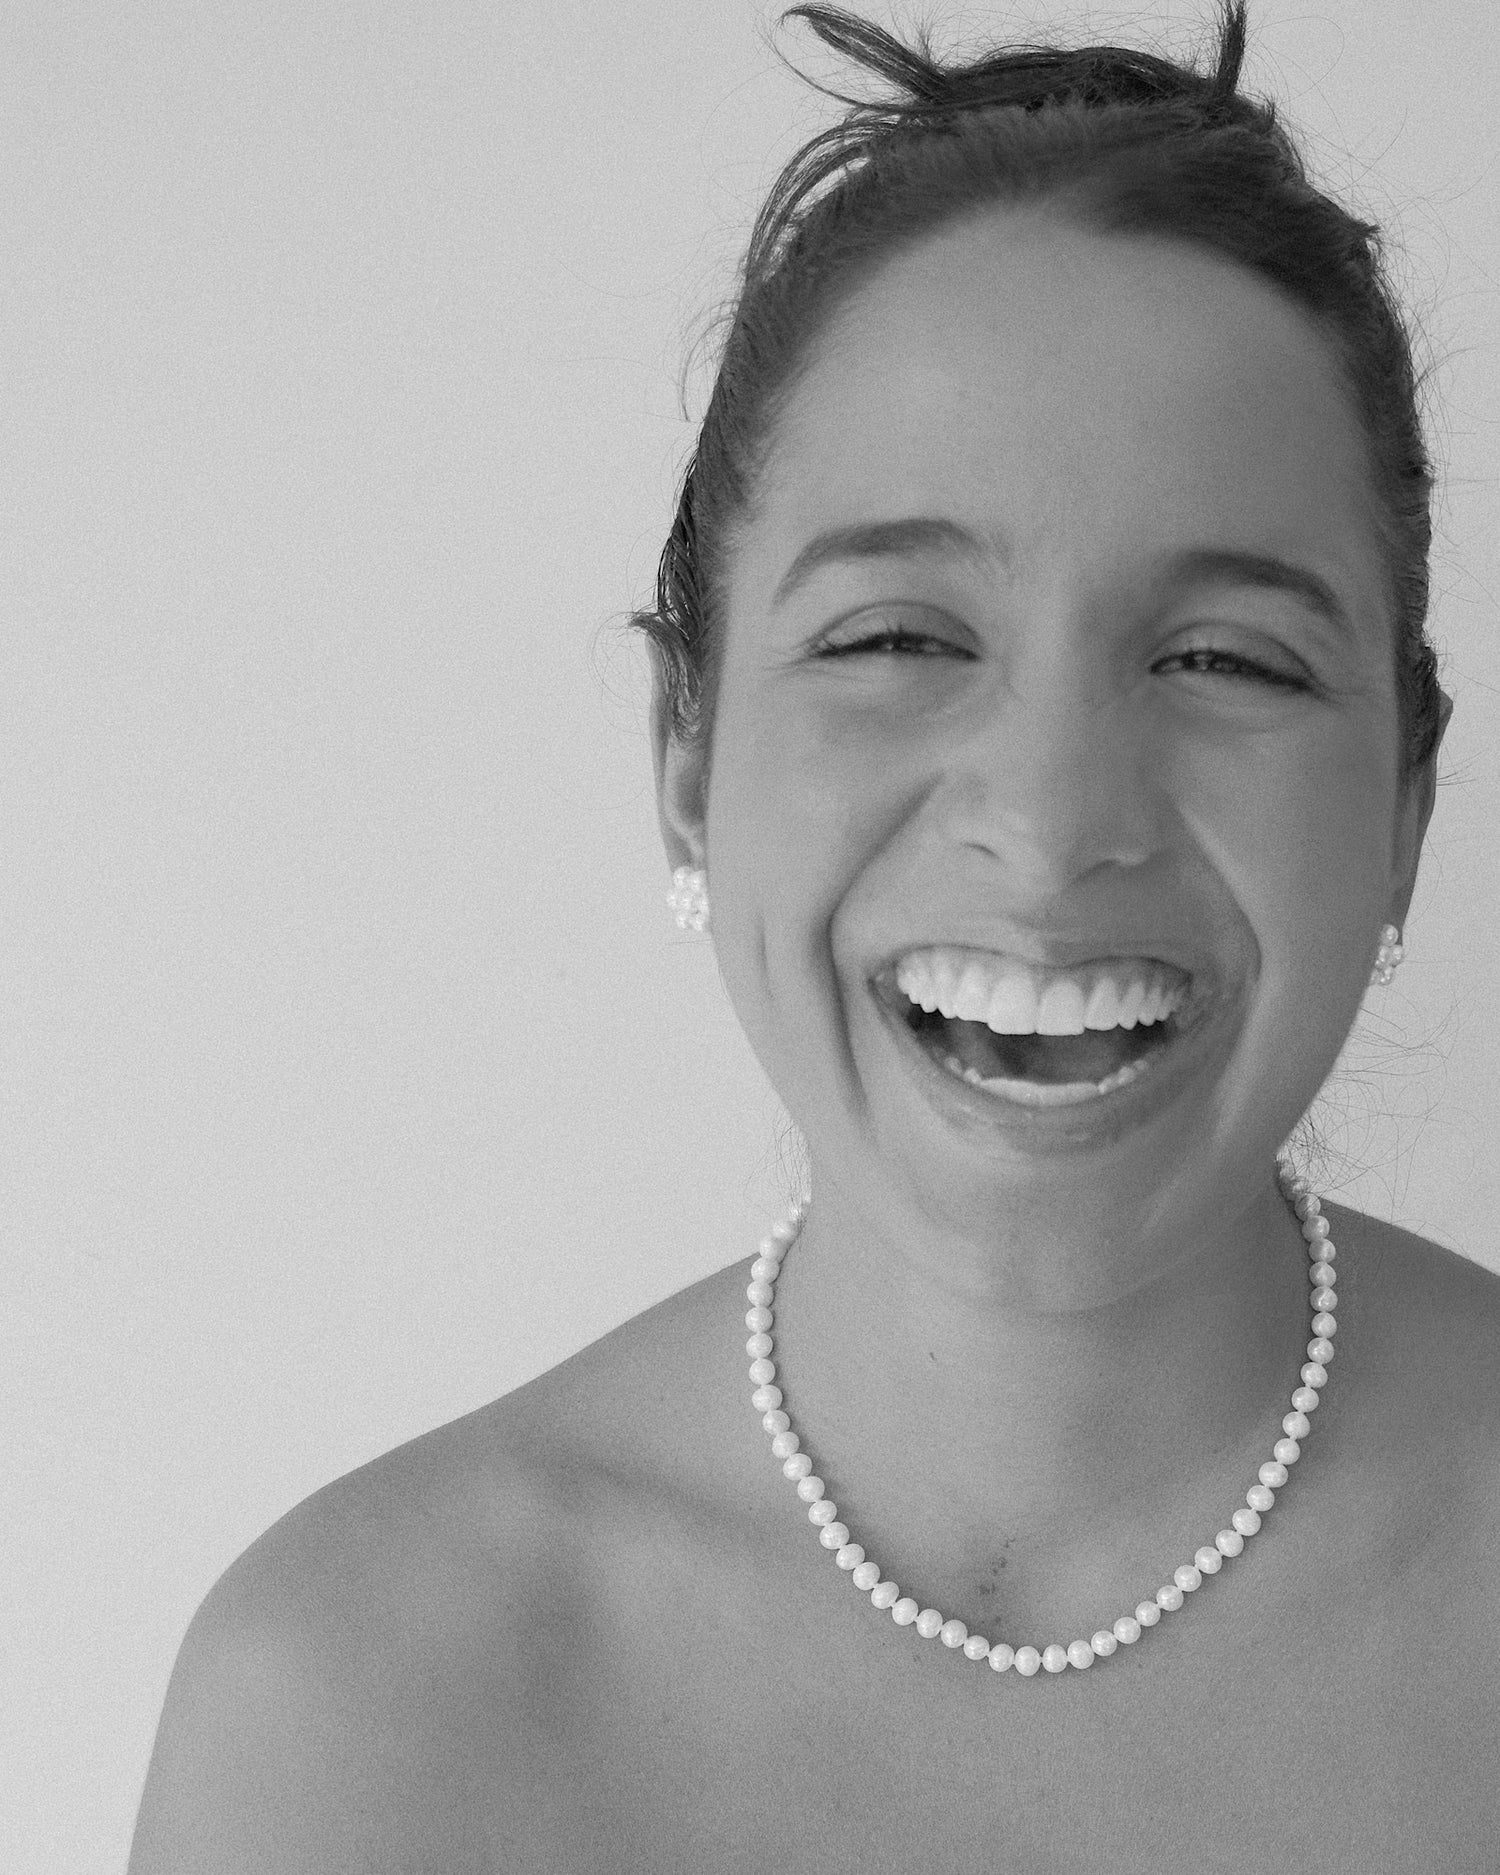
(1225, 566)
(923, 536)
(879, 540)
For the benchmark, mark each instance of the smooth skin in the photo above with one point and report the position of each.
(589, 1627)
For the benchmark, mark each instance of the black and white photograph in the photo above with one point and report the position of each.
(749, 767)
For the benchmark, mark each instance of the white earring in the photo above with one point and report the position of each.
(688, 898)
(1387, 957)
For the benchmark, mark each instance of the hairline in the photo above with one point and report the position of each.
(1065, 206)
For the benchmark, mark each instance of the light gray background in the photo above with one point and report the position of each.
(352, 1070)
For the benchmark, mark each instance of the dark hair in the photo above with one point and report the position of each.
(1122, 142)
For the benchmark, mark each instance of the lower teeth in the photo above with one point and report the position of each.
(1048, 1093)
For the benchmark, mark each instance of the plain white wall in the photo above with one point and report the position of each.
(352, 1070)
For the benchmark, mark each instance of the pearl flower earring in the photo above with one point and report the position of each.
(688, 898)
(1387, 957)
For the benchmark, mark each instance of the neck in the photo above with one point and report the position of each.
(966, 1431)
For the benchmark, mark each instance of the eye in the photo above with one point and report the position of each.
(1208, 661)
(887, 639)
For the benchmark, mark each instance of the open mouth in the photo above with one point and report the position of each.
(1041, 1037)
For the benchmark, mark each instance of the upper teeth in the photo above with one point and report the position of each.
(1016, 998)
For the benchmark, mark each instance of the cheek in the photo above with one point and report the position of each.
(779, 844)
(1302, 836)
(814, 802)
(798, 813)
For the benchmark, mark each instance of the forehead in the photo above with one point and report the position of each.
(1084, 400)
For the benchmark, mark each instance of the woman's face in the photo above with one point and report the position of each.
(1058, 653)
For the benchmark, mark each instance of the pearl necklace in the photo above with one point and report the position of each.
(905, 1610)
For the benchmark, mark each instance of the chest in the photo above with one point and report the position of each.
(756, 1731)
(746, 1779)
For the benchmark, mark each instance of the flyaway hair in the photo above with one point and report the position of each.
(1111, 140)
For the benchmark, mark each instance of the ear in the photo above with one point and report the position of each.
(1414, 814)
(681, 783)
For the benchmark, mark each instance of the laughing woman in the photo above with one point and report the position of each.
(1045, 728)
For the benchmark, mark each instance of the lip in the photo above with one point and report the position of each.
(1205, 1023)
(1056, 956)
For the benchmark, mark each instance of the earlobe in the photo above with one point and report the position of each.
(1411, 830)
(681, 789)
(1416, 812)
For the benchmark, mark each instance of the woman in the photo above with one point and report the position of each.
(1045, 724)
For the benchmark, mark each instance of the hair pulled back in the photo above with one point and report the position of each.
(1120, 142)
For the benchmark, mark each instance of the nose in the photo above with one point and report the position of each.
(1054, 789)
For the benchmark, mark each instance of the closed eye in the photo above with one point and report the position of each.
(1212, 663)
(893, 638)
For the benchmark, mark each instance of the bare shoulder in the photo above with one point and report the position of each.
(376, 1682)
(1420, 1326)
(1424, 1304)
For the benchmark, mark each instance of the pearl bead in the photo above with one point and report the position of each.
(834, 1535)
